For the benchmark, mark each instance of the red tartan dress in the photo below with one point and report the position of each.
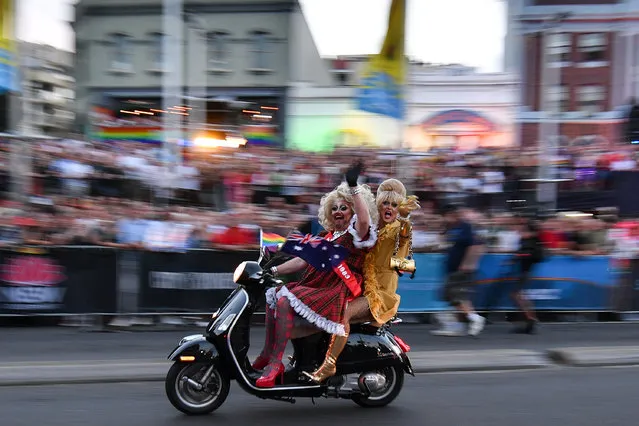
(320, 297)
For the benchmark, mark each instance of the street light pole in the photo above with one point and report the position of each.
(172, 79)
(550, 125)
(197, 77)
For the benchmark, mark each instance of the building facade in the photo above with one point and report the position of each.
(579, 65)
(48, 89)
(448, 106)
(236, 60)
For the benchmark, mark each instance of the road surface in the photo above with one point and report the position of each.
(557, 396)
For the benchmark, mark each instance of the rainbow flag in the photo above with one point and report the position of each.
(140, 134)
(260, 135)
(271, 240)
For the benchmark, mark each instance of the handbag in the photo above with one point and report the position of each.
(400, 264)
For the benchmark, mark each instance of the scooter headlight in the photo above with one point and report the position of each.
(239, 271)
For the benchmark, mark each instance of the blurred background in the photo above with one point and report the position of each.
(216, 114)
(167, 126)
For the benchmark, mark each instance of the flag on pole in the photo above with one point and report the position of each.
(381, 88)
(271, 240)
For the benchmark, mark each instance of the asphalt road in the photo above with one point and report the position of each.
(70, 344)
(560, 396)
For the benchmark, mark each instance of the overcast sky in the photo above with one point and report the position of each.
(441, 31)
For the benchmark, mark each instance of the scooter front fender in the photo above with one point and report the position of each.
(195, 348)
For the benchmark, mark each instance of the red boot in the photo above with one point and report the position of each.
(268, 380)
(260, 363)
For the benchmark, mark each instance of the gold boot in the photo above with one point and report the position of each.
(328, 367)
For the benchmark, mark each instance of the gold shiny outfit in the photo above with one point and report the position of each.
(382, 268)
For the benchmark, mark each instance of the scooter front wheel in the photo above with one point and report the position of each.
(189, 394)
(394, 381)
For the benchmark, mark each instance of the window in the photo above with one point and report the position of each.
(157, 51)
(217, 49)
(559, 47)
(558, 98)
(591, 98)
(592, 47)
(260, 49)
(121, 54)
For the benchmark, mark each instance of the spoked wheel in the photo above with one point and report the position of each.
(191, 398)
(392, 387)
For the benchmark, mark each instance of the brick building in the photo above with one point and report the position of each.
(578, 61)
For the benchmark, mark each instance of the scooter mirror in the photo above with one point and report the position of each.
(265, 256)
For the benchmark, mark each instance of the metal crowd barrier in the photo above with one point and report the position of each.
(102, 281)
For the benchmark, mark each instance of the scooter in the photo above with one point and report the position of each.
(370, 370)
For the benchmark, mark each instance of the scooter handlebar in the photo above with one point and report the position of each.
(270, 281)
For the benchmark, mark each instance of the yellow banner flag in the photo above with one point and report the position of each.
(7, 25)
(380, 90)
(8, 75)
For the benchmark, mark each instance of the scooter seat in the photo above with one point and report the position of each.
(365, 328)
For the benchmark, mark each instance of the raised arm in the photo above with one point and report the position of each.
(363, 224)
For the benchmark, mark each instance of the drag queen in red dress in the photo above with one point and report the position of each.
(320, 297)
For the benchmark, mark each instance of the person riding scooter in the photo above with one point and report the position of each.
(320, 296)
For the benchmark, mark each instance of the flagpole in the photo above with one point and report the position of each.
(404, 90)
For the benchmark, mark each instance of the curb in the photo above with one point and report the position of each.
(622, 356)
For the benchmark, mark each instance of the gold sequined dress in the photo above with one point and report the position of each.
(380, 281)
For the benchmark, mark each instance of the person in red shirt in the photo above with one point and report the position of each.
(237, 236)
(551, 236)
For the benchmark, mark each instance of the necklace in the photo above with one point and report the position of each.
(338, 234)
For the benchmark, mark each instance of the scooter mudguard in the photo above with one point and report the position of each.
(408, 367)
(195, 348)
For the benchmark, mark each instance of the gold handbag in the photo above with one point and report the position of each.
(400, 264)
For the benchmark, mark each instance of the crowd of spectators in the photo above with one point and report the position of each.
(127, 194)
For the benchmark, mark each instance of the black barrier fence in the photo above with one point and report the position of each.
(58, 280)
(97, 280)
(627, 294)
(195, 281)
(92, 280)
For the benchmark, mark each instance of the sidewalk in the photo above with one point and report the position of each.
(113, 371)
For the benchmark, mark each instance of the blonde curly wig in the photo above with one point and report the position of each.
(343, 192)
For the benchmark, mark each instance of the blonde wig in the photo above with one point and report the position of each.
(390, 190)
(343, 192)
(393, 191)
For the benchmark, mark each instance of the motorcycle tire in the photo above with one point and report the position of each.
(396, 377)
(182, 395)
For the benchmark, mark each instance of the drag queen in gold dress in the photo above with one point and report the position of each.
(382, 267)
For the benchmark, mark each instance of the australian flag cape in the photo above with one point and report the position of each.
(323, 255)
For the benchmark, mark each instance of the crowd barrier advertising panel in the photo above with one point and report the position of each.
(58, 280)
(627, 296)
(199, 280)
(561, 283)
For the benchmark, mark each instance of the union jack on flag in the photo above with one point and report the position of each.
(316, 251)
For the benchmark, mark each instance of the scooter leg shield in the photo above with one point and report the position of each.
(312, 350)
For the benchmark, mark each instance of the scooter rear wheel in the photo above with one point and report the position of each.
(394, 383)
(186, 397)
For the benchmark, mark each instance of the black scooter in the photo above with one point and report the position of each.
(370, 370)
